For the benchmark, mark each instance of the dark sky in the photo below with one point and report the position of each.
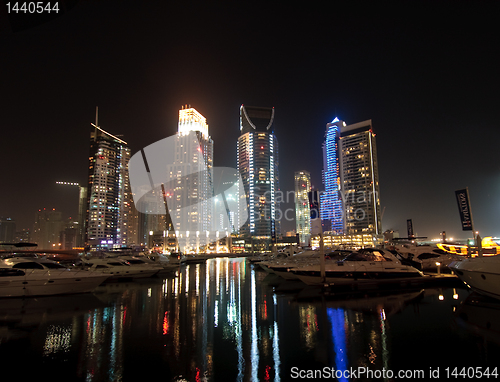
(426, 73)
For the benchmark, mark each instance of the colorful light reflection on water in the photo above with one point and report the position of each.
(223, 321)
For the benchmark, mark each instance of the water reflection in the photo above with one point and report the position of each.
(220, 320)
(480, 316)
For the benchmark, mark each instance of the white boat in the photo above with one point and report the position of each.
(426, 257)
(367, 264)
(162, 266)
(282, 267)
(481, 274)
(34, 276)
(118, 268)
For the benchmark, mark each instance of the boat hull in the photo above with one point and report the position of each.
(314, 278)
(33, 284)
(135, 274)
(481, 275)
(284, 273)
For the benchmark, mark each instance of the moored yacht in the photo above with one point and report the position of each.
(364, 265)
(282, 267)
(481, 274)
(162, 267)
(118, 268)
(34, 276)
(426, 257)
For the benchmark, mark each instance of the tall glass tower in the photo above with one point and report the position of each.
(189, 197)
(331, 199)
(108, 192)
(360, 186)
(257, 155)
(302, 211)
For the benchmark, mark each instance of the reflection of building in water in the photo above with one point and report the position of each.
(58, 339)
(308, 325)
(354, 331)
(218, 303)
(359, 339)
(103, 348)
(359, 329)
(220, 320)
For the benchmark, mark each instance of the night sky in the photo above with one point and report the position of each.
(426, 73)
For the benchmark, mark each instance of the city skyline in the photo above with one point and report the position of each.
(426, 79)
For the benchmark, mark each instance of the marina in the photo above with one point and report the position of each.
(228, 319)
(249, 192)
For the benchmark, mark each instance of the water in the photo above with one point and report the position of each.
(223, 321)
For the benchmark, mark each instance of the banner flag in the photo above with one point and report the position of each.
(409, 228)
(464, 209)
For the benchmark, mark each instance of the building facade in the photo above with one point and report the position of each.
(47, 229)
(7, 230)
(189, 194)
(257, 157)
(331, 199)
(82, 212)
(360, 183)
(302, 211)
(108, 192)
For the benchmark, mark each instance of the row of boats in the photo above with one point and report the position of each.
(369, 265)
(36, 275)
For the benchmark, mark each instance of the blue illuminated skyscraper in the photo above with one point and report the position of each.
(331, 200)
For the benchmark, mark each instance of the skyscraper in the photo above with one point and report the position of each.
(108, 191)
(7, 230)
(82, 212)
(360, 185)
(189, 199)
(331, 199)
(257, 155)
(302, 211)
(47, 229)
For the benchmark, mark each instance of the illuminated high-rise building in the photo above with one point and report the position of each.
(257, 156)
(331, 200)
(360, 184)
(108, 192)
(302, 211)
(189, 200)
